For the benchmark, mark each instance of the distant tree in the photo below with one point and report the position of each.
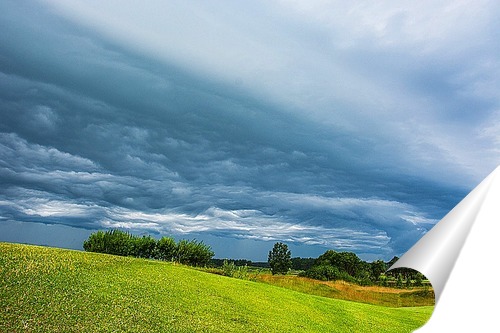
(409, 283)
(242, 262)
(377, 268)
(323, 272)
(280, 259)
(418, 279)
(261, 264)
(399, 281)
(302, 264)
(347, 262)
(237, 262)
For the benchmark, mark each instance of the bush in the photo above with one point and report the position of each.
(302, 264)
(193, 253)
(124, 244)
(144, 247)
(111, 242)
(383, 281)
(408, 284)
(242, 273)
(399, 281)
(228, 268)
(364, 279)
(323, 272)
(418, 279)
(165, 249)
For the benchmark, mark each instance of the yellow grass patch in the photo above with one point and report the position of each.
(393, 297)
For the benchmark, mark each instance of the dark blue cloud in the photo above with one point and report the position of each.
(98, 133)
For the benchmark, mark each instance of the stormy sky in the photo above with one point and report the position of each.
(322, 124)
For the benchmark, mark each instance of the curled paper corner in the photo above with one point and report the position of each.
(464, 243)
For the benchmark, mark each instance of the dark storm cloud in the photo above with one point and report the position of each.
(248, 136)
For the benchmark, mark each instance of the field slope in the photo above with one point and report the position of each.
(53, 290)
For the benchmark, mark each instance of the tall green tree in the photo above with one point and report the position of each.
(280, 259)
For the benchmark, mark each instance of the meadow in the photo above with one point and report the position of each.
(54, 290)
(392, 297)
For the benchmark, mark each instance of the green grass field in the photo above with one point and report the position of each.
(53, 290)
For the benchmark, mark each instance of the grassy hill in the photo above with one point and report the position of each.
(54, 290)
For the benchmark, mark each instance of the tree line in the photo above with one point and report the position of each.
(117, 242)
(298, 263)
(329, 266)
(347, 266)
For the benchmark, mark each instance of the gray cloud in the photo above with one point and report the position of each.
(295, 125)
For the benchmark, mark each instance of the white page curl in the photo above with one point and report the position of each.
(464, 243)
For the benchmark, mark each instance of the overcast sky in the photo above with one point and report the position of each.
(322, 124)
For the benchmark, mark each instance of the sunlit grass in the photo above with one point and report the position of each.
(53, 290)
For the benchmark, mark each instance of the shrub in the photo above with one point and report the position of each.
(399, 281)
(418, 280)
(228, 268)
(242, 272)
(364, 279)
(323, 272)
(124, 244)
(111, 242)
(95, 243)
(408, 283)
(383, 281)
(193, 253)
(165, 249)
(144, 247)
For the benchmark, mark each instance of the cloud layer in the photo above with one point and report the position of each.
(333, 126)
